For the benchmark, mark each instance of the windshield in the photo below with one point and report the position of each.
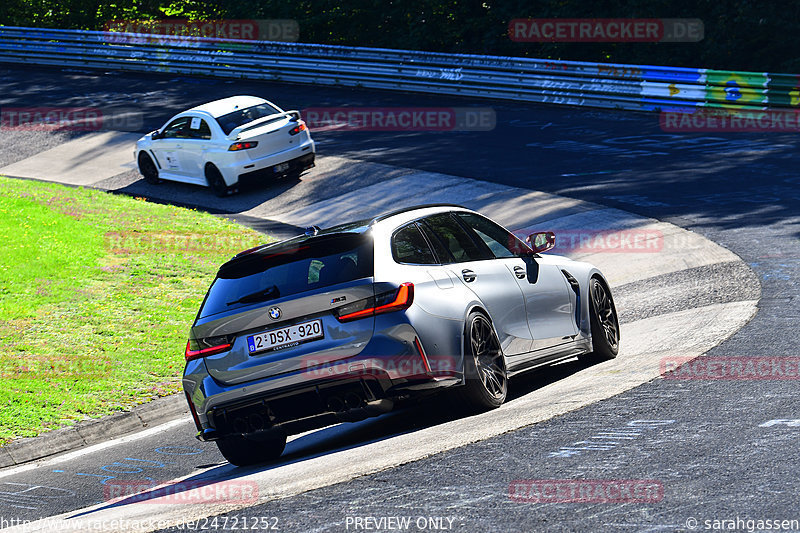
(289, 269)
(233, 120)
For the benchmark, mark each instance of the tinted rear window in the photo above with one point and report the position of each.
(307, 265)
(409, 246)
(241, 117)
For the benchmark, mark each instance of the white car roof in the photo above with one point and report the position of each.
(217, 108)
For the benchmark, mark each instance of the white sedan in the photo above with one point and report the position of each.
(221, 143)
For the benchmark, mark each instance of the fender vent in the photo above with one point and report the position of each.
(576, 288)
(155, 158)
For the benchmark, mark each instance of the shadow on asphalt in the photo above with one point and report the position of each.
(249, 195)
(432, 412)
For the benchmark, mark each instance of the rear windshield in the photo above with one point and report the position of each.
(289, 269)
(241, 117)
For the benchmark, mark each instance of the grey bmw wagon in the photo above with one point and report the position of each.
(342, 324)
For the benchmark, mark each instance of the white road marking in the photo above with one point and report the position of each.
(91, 449)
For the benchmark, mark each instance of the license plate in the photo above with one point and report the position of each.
(287, 337)
(281, 167)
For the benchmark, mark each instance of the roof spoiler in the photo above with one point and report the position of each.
(384, 216)
(293, 115)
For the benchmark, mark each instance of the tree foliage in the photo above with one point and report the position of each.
(744, 35)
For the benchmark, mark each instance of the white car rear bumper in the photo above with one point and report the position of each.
(265, 165)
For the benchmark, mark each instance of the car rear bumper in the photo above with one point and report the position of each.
(343, 391)
(265, 166)
(293, 166)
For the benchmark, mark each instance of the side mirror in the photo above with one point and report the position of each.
(541, 241)
(155, 135)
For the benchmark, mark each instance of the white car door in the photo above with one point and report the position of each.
(195, 140)
(165, 147)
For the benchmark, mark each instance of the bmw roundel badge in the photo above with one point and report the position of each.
(275, 313)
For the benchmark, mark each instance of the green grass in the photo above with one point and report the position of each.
(97, 293)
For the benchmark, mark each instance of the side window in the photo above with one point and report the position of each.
(198, 129)
(175, 128)
(438, 248)
(501, 242)
(409, 246)
(455, 238)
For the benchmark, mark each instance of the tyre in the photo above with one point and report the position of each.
(604, 324)
(486, 381)
(241, 451)
(216, 182)
(148, 169)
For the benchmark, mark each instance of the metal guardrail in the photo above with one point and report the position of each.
(605, 85)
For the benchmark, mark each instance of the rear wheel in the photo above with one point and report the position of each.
(241, 451)
(216, 182)
(148, 169)
(484, 365)
(604, 324)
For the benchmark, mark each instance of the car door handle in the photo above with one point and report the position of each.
(520, 272)
(468, 275)
(178, 146)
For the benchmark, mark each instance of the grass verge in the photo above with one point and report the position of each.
(97, 292)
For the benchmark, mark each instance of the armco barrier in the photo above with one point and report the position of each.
(632, 87)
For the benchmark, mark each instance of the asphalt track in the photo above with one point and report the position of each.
(709, 451)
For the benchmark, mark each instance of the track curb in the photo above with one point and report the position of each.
(94, 431)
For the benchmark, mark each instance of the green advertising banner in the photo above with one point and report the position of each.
(728, 88)
(783, 90)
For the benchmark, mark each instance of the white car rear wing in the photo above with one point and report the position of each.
(233, 135)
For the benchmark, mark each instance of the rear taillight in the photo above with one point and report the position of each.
(235, 147)
(195, 349)
(387, 302)
(301, 126)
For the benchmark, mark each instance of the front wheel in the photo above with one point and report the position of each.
(604, 324)
(241, 451)
(486, 381)
(148, 169)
